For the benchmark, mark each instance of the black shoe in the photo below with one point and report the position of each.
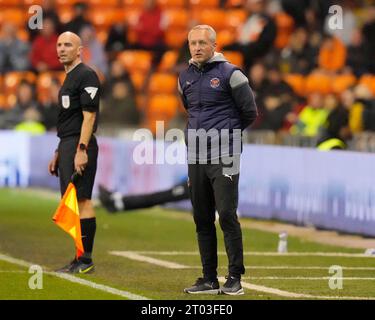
(105, 197)
(204, 286)
(81, 267)
(66, 268)
(232, 286)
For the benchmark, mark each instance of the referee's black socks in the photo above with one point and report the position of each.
(88, 228)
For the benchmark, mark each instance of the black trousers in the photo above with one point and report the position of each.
(211, 189)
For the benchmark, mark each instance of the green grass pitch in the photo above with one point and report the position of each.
(162, 257)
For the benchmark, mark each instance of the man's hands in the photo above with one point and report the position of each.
(80, 161)
(53, 164)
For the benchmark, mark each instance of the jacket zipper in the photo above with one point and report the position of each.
(200, 102)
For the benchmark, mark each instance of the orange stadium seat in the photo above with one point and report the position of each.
(368, 80)
(342, 82)
(133, 3)
(224, 37)
(168, 4)
(65, 14)
(102, 34)
(297, 82)
(213, 17)
(43, 83)
(17, 17)
(65, 3)
(234, 3)
(28, 3)
(285, 26)
(138, 79)
(204, 3)
(332, 58)
(131, 15)
(318, 82)
(2, 102)
(22, 34)
(135, 60)
(234, 57)
(105, 17)
(162, 106)
(177, 18)
(162, 83)
(175, 38)
(235, 18)
(102, 3)
(168, 60)
(12, 80)
(10, 3)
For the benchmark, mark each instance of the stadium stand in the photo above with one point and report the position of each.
(318, 65)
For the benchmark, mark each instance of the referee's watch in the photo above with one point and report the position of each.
(82, 147)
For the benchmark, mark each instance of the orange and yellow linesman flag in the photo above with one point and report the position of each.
(67, 217)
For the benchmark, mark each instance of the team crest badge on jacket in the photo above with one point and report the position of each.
(65, 101)
(214, 82)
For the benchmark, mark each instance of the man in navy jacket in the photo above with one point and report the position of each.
(220, 105)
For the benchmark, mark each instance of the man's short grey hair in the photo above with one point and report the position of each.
(211, 31)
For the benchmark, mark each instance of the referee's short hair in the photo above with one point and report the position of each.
(211, 31)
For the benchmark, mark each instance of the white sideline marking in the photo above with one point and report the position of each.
(307, 278)
(74, 279)
(135, 255)
(295, 268)
(289, 294)
(266, 253)
(300, 268)
(138, 257)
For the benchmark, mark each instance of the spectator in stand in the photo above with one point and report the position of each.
(117, 40)
(298, 56)
(274, 113)
(368, 32)
(335, 132)
(332, 54)
(277, 86)
(50, 108)
(31, 122)
(361, 97)
(79, 20)
(312, 118)
(366, 99)
(297, 10)
(24, 101)
(116, 74)
(356, 58)
(13, 51)
(149, 30)
(43, 52)
(120, 108)
(93, 53)
(256, 35)
(258, 82)
(49, 11)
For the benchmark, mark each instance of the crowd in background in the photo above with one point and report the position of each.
(310, 79)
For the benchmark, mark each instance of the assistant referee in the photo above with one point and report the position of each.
(78, 149)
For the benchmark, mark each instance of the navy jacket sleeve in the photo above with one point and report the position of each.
(244, 98)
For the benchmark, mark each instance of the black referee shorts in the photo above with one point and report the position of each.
(85, 183)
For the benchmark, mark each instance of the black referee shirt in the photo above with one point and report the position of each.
(79, 92)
